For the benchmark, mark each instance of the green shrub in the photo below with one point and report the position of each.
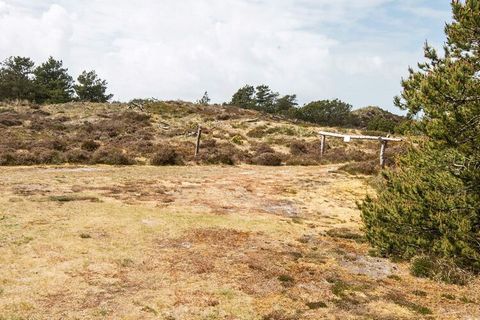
(423, 207)
(439, 269)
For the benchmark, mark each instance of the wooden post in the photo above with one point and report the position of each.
(322, 145)
(197, 146)
(382, 152)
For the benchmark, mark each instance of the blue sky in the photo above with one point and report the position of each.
(357, 51)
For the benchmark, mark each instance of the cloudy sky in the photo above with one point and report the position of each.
(355, 50)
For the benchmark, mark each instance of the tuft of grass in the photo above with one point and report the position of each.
(150, 310)
(448, 296)
(401, 301)
(316, 305)
(394, 277)
(286, 280)
(85, 236)
(345, 233)
(419, 293)
(421, 266)
(466, 300)
(71, 198)
(438, 269)
(23, 240)
(339, 287)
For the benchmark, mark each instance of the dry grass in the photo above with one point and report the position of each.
(213, 242)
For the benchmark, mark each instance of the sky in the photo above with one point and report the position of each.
(354, 50)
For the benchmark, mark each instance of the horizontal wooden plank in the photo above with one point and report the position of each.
(360, 137)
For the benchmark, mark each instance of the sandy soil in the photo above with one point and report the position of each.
(201, 243)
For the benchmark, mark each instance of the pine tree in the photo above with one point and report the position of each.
(244, 98)
(91, 88)
(205, 100)
(54, 84)
(431, 204)
(16, 79)
(265, 99)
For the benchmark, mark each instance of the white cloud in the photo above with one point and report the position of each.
(178, 49)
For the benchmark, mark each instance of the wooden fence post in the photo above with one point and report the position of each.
(197, 145)
(322, 145)
(382, 152)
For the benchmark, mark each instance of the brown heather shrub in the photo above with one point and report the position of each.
(10, 119)
(52, 144)
(339, 155)
(268, 159)
(166, 155)
(302, 161)
(227, 153)
(90, 145)
(262, 148)
(264, 155)
(78, 156)
(47, 156)
(17, 158)
(257, 132)
(143, 147)
(112, 156)
(298, 148)
(41, 123)
(368, 168)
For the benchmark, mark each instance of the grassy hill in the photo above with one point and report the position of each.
(164, 133)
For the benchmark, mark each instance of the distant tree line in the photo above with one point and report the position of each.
(49, 82)
(324, 112)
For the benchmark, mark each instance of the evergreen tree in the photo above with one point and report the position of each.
(91, 88)
(326, 112)
(53, 83)
(286, 103)
(205, 100)
(431, 205)
(265, 99)
(16, 79)
(244, 98)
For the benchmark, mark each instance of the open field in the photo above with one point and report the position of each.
(198, 242)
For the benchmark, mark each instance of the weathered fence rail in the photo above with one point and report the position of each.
(347, 138)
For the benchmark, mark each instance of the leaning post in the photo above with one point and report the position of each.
(382, 152)
(197, 145)
(322, 145)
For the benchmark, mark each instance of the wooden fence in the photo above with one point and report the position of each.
(347, 138)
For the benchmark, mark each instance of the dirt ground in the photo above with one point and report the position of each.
(273, 243)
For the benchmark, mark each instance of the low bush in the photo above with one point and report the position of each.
(445, 270)
(112, 156)
(340, 155)
(367, 168)
(267, 159)
(90, 145)
(298, 148)
(10, 119)
(166, 155)
(257, 132)
(212, 152)
(302, 161)
(47, 156)
(78, 156)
